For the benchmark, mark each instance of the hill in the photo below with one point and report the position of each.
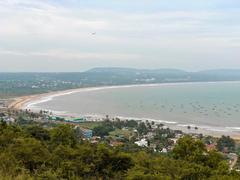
(16, 84)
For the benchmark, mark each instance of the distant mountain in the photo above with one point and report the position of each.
(132, 70)
(219, 74)
(232, 72)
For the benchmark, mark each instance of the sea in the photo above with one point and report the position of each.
(210, 106)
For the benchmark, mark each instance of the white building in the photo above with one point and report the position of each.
(142, 143)
(164, 150)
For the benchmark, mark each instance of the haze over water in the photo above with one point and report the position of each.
(214, 106)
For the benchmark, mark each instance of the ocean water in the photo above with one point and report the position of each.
(213, 106)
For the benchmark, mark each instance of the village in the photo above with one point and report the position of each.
(129, 134)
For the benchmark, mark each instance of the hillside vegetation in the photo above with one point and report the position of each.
(34, 152)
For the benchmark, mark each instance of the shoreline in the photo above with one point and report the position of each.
(22, 101)
(28, 102)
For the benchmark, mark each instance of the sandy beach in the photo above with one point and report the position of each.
(23, 101)
(19, 102)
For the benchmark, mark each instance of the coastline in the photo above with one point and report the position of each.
(23, 101)
(19, 102)
(28, 102)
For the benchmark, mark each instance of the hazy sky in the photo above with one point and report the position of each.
(58, 35)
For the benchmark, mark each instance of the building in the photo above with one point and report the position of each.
(87, 133)
(76, 120)
(164, 150)
(83, 133)
(150, 135)
(174, 140)
(142, 143)
(116, 143)
(8, 120)
(211, 147)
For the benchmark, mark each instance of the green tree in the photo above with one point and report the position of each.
(63, 134)
(189, 149)
(38, 132)
(30, 152)
(226, 142)
(194, 151)
(9, 164)
(131, 123)
(103, 130)
(142, 128)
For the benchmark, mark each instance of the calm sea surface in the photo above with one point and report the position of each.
(210, 105)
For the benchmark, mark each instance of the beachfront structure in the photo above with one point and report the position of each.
(56, 118)
(68, 120)
(76, 120)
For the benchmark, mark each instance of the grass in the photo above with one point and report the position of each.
(126, 133)
(89, 125)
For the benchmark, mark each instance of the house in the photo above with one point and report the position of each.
(142, 143)
(116, 143)
(76, 120)
(178, 135)
(150, 135)
(95, 139)
(210, 147)
(164, 150)
(174, 140)
(87, 133)
(8, 120)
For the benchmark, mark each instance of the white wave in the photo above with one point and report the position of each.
(34, 105)
(207, 128)
(234, 128)
(186, 125)
(147, 119)
(50, 97)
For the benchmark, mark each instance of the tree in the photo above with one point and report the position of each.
(104, 129)
(118, 123)
(30, 152)
(9, 164)
(194, 151)
(38, 132)
(226, 142)
(142, 129)
(63, 134)
(189, 149)
(8, 133)
(131, 123)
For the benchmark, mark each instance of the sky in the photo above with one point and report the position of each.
(77, 35)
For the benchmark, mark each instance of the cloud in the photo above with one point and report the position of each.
(165, 36)
(62, 54)
(30, 17)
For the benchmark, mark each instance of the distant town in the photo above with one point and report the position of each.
(20, 84)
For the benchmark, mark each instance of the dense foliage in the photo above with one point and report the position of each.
(31, 151)
(225, 143)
